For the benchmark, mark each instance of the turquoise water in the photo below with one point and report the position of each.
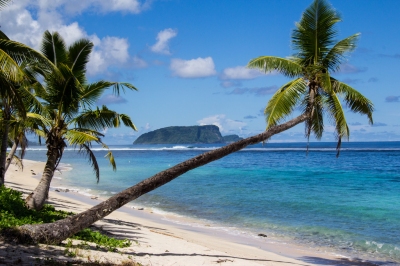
(350, 203)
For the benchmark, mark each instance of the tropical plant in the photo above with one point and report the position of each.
(316, 24)
(66, 101)
(313, 90)
(15, 81)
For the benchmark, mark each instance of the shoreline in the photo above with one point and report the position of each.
(231, 248)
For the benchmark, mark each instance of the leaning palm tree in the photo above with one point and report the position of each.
(67, 98)
(314, 89)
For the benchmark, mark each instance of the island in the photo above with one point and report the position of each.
(207, 134)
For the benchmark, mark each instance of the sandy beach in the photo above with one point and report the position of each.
(155, 239)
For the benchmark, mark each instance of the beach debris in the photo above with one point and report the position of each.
(262, 235)
(166, 250)
(94, 197)
(57, 190)
(140, 209)
(33, 173)
(221, 260)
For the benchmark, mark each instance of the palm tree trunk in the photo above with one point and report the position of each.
(11, 154)
(4, 144)
(37, 198)
(62, 229)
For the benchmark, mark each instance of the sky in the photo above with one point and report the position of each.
(188, 59)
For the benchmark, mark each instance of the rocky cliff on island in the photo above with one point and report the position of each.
(208, 134)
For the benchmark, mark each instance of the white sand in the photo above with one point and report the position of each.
(155, 241)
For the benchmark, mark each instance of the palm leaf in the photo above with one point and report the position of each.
(283, 101)
(335, 56)
(54, 48)
(267, 64)
(85, 148)
(75, 137)
(337, 114)
(315, 32)
(354, 100)
(79, 53)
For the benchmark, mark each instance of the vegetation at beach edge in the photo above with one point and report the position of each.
(13, 213)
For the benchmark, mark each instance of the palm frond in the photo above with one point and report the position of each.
(111, 159)
(315, 32)
(102, 118)
(336, 112)
(86, 149)
(127, 121)
(75, 137)
(79, 53)
(335, 56)
(54, 48)
(285, 66)
(17, 161)
(354, 100)
(283, 101)
(4, 3)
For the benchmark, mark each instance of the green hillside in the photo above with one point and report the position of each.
(182, 135)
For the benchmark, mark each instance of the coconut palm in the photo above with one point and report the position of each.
(15, 82)
(313, 88)
(67, 98)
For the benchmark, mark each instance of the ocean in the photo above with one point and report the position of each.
(350, 204)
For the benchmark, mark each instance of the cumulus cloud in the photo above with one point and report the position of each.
(25, 21)
(262, 91)
(225, 125)
(194, 68)
(392, 99)
(163, 37)
(111, 99)
(350, 69)
(240, 72)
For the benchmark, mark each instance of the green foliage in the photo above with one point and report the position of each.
(182, 135)
(111, 244)
(318, 55)
(14, 213)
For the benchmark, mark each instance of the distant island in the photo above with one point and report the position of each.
(208, 134)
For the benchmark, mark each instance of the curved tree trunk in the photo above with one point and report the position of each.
(62, 229)
(37, 198)
(11, 154)
(4, 142)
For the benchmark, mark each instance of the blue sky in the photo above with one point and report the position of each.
(188, 58)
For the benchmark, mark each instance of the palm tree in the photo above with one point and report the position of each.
(313, 89)
(66, 101)
(311, 66)
(15, 79)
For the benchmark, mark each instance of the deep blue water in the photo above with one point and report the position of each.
(350, 203)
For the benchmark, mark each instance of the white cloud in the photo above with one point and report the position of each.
(194, 68)
(108, 51)
(25, 21)
(225, 125)
(78, 6)
(163, 37)
(240, 72)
